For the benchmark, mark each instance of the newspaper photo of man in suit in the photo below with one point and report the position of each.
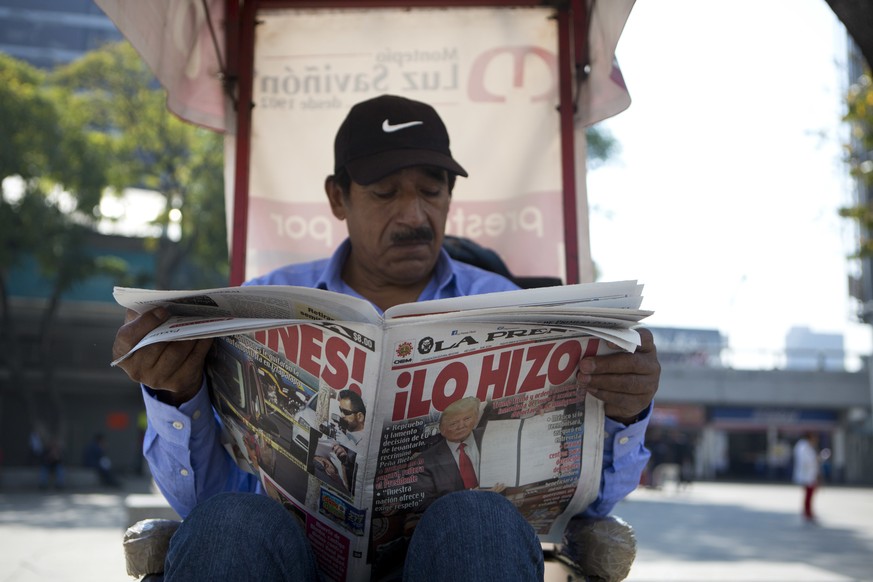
(452, 463)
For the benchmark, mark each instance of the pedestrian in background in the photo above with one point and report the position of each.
(95, 457)
(806, 471)
(52, 464)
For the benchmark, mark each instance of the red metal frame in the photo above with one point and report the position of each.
(271, 4)
(240, 43)
(568, 146)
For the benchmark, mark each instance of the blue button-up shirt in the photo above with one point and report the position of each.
(183, 445)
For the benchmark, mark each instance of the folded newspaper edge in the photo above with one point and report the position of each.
(209, 313)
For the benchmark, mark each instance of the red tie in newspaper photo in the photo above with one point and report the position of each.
(468, 474)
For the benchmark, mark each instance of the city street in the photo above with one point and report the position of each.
(709, 531)
(729, 532)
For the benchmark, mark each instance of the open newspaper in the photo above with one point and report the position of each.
(496, 371)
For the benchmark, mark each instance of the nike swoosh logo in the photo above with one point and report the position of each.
(388, 128)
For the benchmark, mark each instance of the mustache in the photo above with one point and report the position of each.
(413, 235)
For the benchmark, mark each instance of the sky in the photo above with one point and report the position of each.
(723, 198)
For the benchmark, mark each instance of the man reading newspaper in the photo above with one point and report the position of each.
(392, 185)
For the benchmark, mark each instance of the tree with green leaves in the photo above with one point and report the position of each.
(601, 146)
(97, 125)
(114, 93)
(59, 172)
(859, 116)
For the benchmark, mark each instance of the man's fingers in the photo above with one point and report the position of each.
(136, 326)
(647, 339)
(625, 382)
(639, 362)
(179, 366)
(172, 366)
(149, 319)
(621, 387)
(201, 349)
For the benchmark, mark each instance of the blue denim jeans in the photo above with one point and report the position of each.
(468, 535)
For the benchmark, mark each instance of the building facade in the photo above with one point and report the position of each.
(741, 424)
(47, 33)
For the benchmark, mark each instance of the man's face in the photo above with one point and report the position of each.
(350, 419)
(396, 225)
(457, 425)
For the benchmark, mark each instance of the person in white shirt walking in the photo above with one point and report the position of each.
(806, 470)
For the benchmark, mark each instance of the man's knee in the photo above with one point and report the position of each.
(470, 499)
(250, 515)
(481, 515)
(471, 505)
(234, 507)
(473, 535)
(237, 533)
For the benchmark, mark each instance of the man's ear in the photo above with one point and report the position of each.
(335, 197)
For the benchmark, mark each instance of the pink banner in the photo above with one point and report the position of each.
(287, 232)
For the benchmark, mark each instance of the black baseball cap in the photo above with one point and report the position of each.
(388, 133)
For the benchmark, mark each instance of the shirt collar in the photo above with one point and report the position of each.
(331, 278)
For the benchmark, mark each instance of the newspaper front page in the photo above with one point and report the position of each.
(354, 422)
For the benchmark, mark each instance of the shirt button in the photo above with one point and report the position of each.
(196, 414)
(623, 440)
(178, 425)
(184, 472)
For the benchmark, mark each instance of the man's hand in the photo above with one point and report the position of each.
(174, 368)
(626, 383)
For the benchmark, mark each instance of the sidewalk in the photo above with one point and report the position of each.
(72, 535)
(709, 532)
(731, 532)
